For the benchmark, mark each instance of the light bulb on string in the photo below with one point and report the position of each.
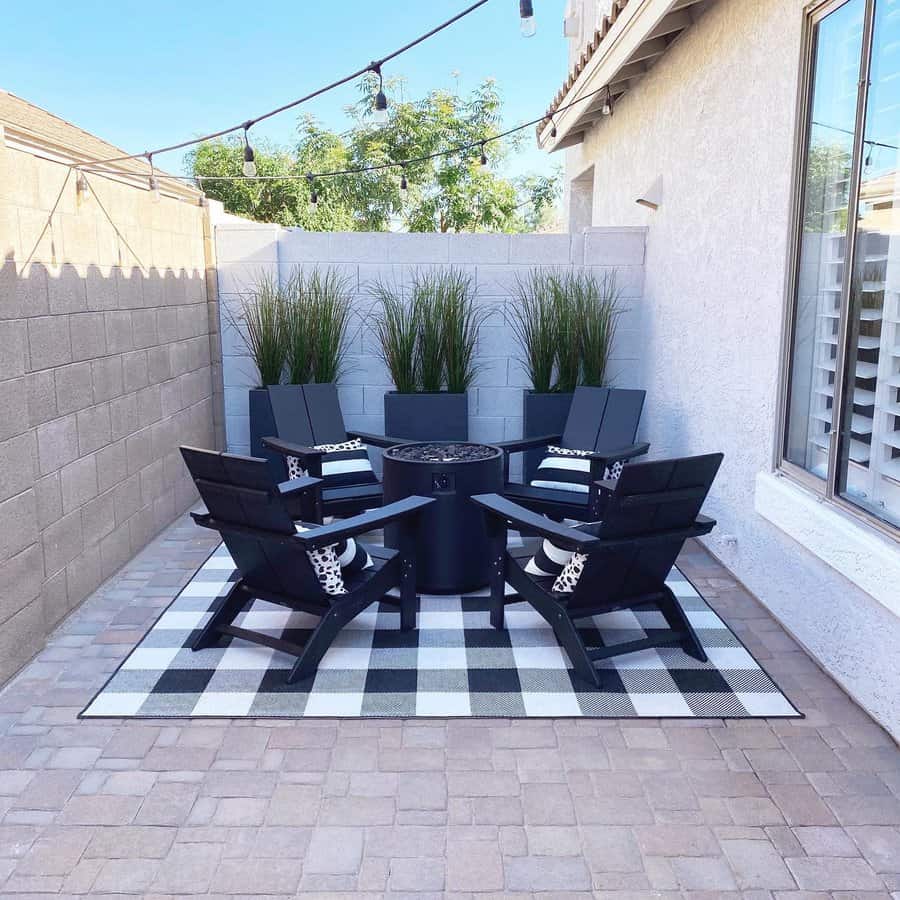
(526, 16)
(607, 108)
(249, 168)
(81, 188)
(380, 106)
(483, 159)
(152, 181)
(313, 194)
(404, 187)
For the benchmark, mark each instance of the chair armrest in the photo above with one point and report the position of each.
(623, 453)
(377, 440)
(519, 517)
(367, 521)
(296, 486)
(522, 444)
(286, 448)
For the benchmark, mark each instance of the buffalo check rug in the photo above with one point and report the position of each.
(453, 664)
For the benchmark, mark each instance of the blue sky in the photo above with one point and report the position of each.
(145, 75)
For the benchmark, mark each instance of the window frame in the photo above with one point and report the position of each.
(825, 487)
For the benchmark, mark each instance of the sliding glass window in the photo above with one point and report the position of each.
(842, 425)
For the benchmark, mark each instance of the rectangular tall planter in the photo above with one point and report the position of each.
(262, 424)
(541, 414)
(427, 417)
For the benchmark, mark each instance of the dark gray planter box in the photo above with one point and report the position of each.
(427, 417)
(541, 414)
(262, 424)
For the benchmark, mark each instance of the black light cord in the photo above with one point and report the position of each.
(375, 167)
(373, 66)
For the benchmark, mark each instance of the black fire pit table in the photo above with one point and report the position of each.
(451, 541)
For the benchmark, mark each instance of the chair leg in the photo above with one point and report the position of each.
(226, 612)
(323, 637)
(677, 620)
(497, 538)
(568, 636)
(409, 600)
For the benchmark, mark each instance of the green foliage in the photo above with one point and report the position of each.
(316, 310)
(428, 340)
(452, 193)
(533, 322)
(397, 329)
(262, 317)
(564, 323)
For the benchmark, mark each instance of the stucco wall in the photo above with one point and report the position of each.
(715, 119)
(105, 369)
(244, 250)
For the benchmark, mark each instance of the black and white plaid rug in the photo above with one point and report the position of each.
(453, 664)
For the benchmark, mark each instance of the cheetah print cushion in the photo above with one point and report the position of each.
(567, 580)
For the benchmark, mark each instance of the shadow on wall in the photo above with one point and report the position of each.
(104, 372)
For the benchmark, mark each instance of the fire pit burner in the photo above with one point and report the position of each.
(442, 453)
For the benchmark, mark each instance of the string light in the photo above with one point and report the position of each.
(483, 155)
(526, 14)
(313, 194)
(249, 168)
(404, 187)
(607, 108)
(152, 182)
(552, 127)
(380, 107)
(81, 188)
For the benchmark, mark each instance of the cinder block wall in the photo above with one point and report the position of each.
(245, 250)
(105, 342)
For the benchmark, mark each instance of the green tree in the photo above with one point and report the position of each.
(446, 193)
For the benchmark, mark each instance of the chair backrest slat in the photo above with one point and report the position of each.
(290, 414)
(324, 410)
(585, 415)
(619, 425)
(650, 499)
(251, 515)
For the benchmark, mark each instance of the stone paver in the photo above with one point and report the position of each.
(756, 810)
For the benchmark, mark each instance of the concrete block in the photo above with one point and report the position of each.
(49, 343)
(495, 341)
(298, 246)
(351, 398)
(138, 450)
(21, 637)
(142, 528)
(66, 291)
(123, 416)
(49, 499)
(94, 429)
(18, 524)
(107, 378)
(83, 575)
(127, 498)
(151, 481)
(485, 429)
(101, 288)
(167, 324)
(78, 482)
(55, 599)
(170, 397)
(98, 518)
(74, 387)
(129, 288)
(115, 551)
(416, 248)
(247, 243)
(18, 464)
(62, 542)
(628, 279)
(540, 249)
(359, 247)
(40, 390)
(149, 408)
(499, 281)
(57, 443)
(614, 246)
(112, 465)
(14, 415)
(135, 371)
(119, 338)
(13, 348)
(88, 335)
(143, 328)
(478, 249)
(22, 577)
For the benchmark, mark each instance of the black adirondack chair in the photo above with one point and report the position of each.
(651, 510)
(307, 416)
(251, 513)
(602, 426)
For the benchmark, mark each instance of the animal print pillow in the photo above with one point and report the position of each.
(333, 562)
(565, 566)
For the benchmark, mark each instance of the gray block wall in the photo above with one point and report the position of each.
(105, 368)
(246, 250)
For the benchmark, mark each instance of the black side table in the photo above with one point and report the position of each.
(451, 543)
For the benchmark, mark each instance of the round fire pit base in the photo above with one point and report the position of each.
(451, 542)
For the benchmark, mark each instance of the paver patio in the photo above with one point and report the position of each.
(648, 808)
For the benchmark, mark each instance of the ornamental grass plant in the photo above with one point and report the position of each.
(261, 324)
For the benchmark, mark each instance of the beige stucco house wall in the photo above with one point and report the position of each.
(714, 118)
(106, 342)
